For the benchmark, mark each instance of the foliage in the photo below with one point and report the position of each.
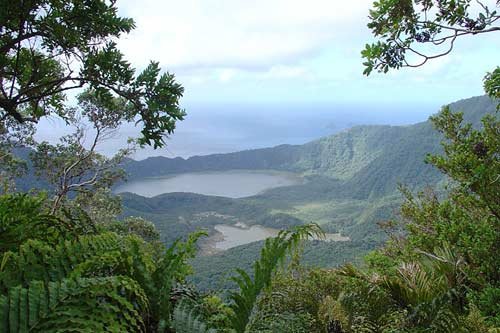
(211, 273)
(411, 32)
(85, 282)
(471, 156)
(24, 217)
(187, 320)
(100, 205)
(74, 268)
(74, 165)
(216, 312)
(243, 302)
(425, 295)
(468, 218)
(492, 84)
(135, 226)
(438, 272)
(50, 47)
(12, 135)
(273, 253)
(82, 304)
(292, 322)
(300, 291)
(466, 221)
(460, 220)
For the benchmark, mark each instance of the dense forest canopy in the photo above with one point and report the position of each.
(69, 264)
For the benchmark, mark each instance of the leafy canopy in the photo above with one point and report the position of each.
(49, 47)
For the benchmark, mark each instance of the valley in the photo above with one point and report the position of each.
(349, 183)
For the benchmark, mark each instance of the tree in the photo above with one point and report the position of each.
(467, 219)
(101, 205)
(75, 165)
(49, 47)
(412, 32)
(492, 84)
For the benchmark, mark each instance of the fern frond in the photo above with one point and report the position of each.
(333, 315)
(364, 325)
(272, 254)
(186, 319)
(24, 217)
(172, 268)
(38, 260)
(84, 305)
(445, 321)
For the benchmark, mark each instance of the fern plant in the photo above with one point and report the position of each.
(273, 253)
(170, 269)
(24, 217)
(426, 294)
(75, 305)
(186, 319)
(87, 283)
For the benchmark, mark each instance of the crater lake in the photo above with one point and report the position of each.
(232, 183)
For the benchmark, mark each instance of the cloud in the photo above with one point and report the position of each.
(287, 51)
(287, 72)
(227, 74)
(249, 35)
(278, 72)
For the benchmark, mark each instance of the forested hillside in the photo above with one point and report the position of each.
(351, 178)
(376, 157)
(351, 185)
(351, 182)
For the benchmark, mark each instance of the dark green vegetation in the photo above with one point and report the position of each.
(438, 272)
(213, 273)
(60, 270)
(68, 264)
(49, 48)
(352, 185)
(64, 272)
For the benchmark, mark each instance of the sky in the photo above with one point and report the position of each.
(247, 66)
(287, 51)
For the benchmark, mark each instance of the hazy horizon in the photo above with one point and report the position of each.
(266, 73)
(224, 129)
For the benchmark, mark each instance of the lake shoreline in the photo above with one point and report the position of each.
(231, 183)
(228, 236)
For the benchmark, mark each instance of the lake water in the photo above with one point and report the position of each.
(241, 234)
(236, 236)
(232, 184)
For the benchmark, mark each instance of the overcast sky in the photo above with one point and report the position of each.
(287, 51)
(264, 72)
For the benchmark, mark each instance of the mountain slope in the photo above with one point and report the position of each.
(370, 160)
(351, 185)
